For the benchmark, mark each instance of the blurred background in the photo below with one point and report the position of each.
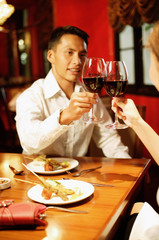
(118, 30)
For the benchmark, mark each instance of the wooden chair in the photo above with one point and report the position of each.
(128, 137)
(8, 134)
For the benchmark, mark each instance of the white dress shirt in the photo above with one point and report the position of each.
(37, 121)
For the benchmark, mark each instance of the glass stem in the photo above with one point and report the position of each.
(92, 113)
(116, 119)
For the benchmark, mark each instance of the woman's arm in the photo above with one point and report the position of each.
(127, 111)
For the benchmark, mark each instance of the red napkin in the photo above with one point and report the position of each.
(22, 214)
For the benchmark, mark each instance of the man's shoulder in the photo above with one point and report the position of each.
(34, 90)
(37, 85)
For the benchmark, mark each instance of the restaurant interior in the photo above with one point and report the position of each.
(118, 30)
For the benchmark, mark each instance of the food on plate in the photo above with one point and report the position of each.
(53, 188)
(46, 193)
(48, 167)
(4, 183)
(49, 164)
(3, 180)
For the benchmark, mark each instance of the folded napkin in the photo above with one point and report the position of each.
(146, 225)
(22, 214)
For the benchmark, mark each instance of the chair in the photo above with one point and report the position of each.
(128, 137)
(8, 134)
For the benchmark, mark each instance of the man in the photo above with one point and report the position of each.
(49, 113)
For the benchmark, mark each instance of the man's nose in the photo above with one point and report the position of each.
(76, 59)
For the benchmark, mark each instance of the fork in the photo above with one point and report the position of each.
(66, 209)
(83, 171)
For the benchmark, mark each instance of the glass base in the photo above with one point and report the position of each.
(92, 120)
(116, 125)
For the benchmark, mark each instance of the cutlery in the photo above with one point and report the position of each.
(44, 215)
(66, 209)
(6, 203)
(94, 184)
(79, 173)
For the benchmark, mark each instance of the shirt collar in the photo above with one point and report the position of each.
(51, 87)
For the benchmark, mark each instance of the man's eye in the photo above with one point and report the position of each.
(69, 52)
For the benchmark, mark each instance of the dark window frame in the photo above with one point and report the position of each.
(139, 88)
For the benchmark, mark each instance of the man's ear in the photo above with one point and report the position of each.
(50, 56)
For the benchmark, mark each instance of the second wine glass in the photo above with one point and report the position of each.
(93, 75)
(115, 85)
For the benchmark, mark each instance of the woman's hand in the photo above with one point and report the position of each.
(126, 110)
(80, 103)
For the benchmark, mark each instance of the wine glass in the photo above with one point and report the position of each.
(115, 85)
(94, 72)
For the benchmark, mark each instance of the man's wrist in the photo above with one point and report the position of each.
(64, 118)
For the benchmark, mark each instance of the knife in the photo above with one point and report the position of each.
(94, 184)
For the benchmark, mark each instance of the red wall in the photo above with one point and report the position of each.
(152, 112)
(36, 54)
(91, 16)
(151, 104)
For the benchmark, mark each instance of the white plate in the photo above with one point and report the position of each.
(38, 166)
(83, 188)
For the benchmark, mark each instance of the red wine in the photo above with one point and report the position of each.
(94, 84)
(115, 88)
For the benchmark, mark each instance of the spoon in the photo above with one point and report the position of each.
(83, 171)
(15, 171)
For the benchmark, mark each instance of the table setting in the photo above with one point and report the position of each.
(13, 215)
(96, 196)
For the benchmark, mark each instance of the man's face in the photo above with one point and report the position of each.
(68, 58)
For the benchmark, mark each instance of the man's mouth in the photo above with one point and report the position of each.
(75, 70)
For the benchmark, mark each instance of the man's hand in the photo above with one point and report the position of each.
(80, 103)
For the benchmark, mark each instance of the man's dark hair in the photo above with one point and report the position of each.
(60, 31)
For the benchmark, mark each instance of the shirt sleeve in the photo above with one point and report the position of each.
(35, 130)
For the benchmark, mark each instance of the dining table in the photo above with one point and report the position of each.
(103, 211)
